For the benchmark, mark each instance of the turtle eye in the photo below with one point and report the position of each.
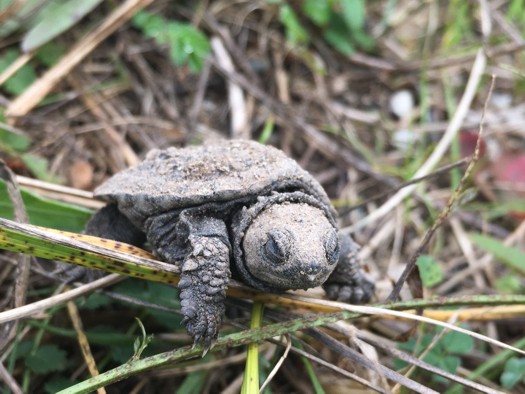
(331, 246)
(275, 247)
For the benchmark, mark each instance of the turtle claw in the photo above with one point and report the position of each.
(358, 293)
(207, 345)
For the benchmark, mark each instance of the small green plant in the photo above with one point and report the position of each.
(511, 256)
(341, 22)
(188, 45)
(514, 372)
(461, 24)
(516, 11)
(45, 361)
(430, 271)
(141, 343)
(445, 354)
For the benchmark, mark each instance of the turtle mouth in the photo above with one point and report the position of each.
(246, 217)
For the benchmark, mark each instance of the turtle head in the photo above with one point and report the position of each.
(289, 245)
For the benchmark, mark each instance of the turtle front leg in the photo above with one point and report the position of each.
(204, 279)
(205, 270)
(348, 282)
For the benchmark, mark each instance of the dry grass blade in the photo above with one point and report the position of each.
(23, 266)
(426, 366)
(83, 342)
(339, 370)
(455, 123)
(42, 305)
(8, 379)
(237, 102)
(142, 264)
(37, 91)
(371, 310)
(278, 364)
(14, 67)
(61, 193)
(377, 367)
(394, 295)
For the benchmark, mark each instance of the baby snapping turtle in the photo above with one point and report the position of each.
(237, 207)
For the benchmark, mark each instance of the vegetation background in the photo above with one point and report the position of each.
(367, 96)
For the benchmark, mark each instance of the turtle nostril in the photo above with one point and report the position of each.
(313, 268)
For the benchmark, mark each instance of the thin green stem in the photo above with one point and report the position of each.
(250, 384)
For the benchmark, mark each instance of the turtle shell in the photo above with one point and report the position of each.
(177, 178)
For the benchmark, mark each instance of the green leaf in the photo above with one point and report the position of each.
(38, 166)
(429, 270)
(508, 255)
(157, 293)
(318, 11)
(363, 40)
(47, 358)
(55, 18)
(193, 383)
(20, 80)
(295, 33)
(23, 349)
(338, 35)
(151, 25)
(121, 353)
(96, 300)
(140, 343)
(457, 343)
(354, 13)
(45, 212)
(514, 372)
(516, 10)
(16, 142)
(188, 45)
(446, 363)
(55, 385)
(136, 345)
(50, 53)
(508, 284)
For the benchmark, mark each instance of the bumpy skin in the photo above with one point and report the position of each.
(204, 279)
(226, 171)
(235, 205)
(199, 245)
(285, 241)
(348, 283)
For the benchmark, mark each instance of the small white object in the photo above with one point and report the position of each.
(402, 103)
(403, 139)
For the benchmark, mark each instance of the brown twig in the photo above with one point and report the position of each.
(409, 269)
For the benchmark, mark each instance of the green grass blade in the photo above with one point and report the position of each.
(512, 257)
(250, 384)
(41, 243)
